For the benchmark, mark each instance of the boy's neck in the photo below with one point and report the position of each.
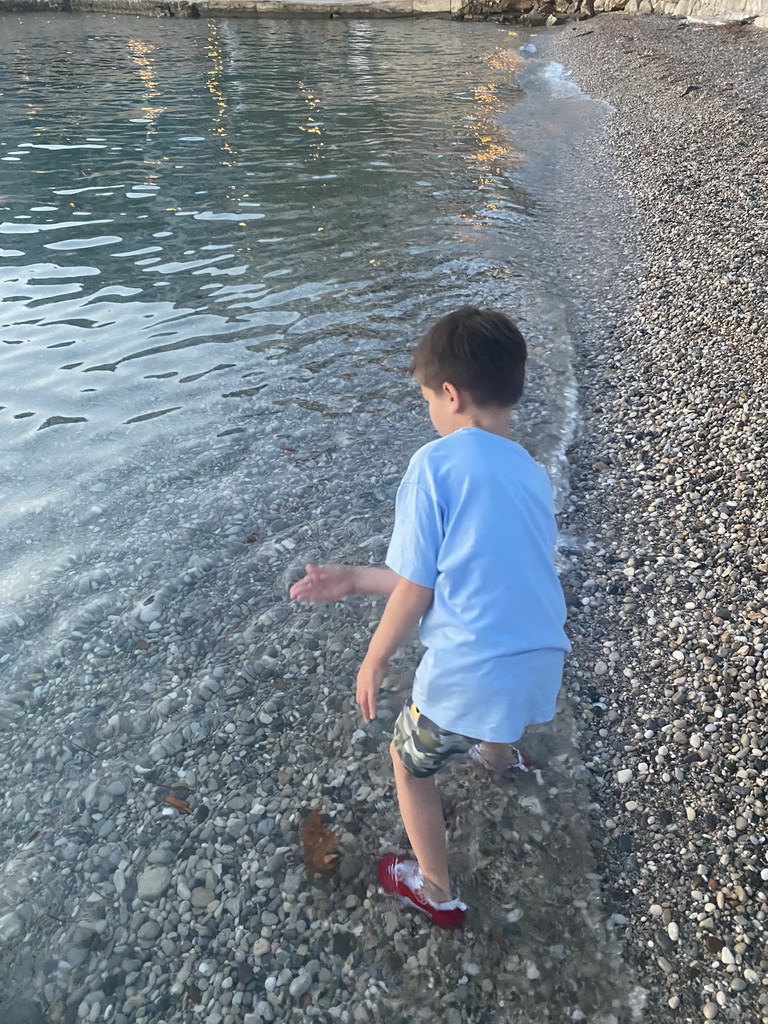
(493, 421)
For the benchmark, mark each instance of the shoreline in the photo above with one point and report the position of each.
(669, 616)
(209, 915)
(186, 675)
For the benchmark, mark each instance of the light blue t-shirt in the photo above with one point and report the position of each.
(474, 521)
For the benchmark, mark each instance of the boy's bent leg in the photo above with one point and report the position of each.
(422, 815)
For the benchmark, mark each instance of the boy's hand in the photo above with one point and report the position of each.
(369, 680)
(324, 583)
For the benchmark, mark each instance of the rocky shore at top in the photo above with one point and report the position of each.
(532, 13)
(670, 498)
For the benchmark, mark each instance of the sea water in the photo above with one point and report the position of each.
(204, 227)
(219, 242)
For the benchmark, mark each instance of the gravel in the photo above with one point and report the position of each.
(156, 775)
(667, 512)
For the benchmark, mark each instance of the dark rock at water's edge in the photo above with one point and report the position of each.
(530, 12)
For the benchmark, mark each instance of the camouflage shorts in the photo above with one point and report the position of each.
(424, 747)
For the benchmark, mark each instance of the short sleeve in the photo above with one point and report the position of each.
(417, 535)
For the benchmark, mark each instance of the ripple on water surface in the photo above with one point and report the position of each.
(209, 227)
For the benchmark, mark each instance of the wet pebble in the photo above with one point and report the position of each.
(153, 882)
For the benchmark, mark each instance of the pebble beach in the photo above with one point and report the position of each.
(152, 863)
(669, 607)
(152, 849)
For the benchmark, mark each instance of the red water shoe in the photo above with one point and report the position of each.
(403, 879)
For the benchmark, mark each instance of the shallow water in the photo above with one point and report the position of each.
(220, 242)
(206, 226)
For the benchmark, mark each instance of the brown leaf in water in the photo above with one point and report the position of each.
(498, 938)
(318, 843)
(251, 538)
(180, 805)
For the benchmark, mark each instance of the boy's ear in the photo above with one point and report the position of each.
(457, 399)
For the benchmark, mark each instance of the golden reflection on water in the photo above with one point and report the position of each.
(504, 60)
(147, 72)
(140, 53)
(492, 153)
(214, 83)
(312, 127)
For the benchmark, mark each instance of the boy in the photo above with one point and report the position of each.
(471, 557)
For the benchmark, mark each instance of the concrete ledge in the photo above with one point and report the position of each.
(242, 8)
(315, 8)
(19, 6)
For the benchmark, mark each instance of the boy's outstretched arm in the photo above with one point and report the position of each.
(333, 582)
(405, 607)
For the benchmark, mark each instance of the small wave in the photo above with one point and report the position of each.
(70, 244)
(55, 147)
(559, 81)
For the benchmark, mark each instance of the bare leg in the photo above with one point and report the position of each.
(422, 815)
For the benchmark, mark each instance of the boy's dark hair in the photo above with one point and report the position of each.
(476, 350)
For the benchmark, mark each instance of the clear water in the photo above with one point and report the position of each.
(207, 223)
(240, 228)
(218, 244)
